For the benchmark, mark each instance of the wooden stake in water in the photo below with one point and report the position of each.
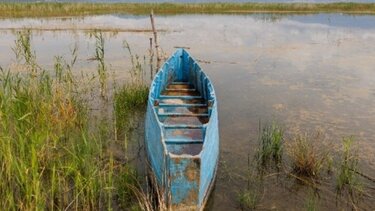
(151, 59)
(158, 59)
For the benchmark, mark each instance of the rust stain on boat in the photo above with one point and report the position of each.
(192, 171)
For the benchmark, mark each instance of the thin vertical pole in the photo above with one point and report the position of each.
(158, 59)
(151, 60)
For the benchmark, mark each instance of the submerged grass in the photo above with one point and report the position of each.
(271, 138)
(308, 164)
(347, 178)
(311, 202)
(47, 9)
(248, 199)
(130, 100)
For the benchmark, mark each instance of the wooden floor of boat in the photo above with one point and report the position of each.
(183, 111)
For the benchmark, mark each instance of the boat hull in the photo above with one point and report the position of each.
(182, 148)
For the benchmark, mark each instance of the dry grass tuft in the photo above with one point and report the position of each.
(307, 160)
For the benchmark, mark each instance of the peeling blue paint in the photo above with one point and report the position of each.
(181, 134)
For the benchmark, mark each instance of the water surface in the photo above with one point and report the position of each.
(195, 1)
(310, 73)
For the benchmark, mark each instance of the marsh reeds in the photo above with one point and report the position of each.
(54, 9)
(250, 196)
(271, 138)
(47, 154)
(347, 178)
(99, 57)
(136, 70)
(311, 202)
(130, 100)
(248, 199)
(52, 155)
(308, 164)
(268, 154)
(24, 51)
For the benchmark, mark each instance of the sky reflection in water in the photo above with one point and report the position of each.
(310, 72)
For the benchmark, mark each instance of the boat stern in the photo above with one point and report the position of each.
(184, 182)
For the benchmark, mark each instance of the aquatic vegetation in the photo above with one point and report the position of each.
(47, 153)
(271, 139)
(47, 9)
(111, 184)
(24, 52)
(329, 163)
(127, 177)
(347, 178)
(248, 199)
(311, 202)
(52, 154)
(136, 71)
(99, 56)
(130, 101)
(151, 198)
(306, 159)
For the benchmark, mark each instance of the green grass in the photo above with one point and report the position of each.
(49, 158)
(102, 68)
(24, 52)
(130, 100)
(248, 199)
(311, 202)
(8, 10)
(271, 139)
(347, 178)
(53, 154)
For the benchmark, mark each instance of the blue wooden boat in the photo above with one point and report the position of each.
(181, 132)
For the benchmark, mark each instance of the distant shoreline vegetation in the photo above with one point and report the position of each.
(18, 10)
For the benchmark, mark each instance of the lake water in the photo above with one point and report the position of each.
(308, 72)
(193, 1)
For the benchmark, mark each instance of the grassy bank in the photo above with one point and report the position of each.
(56, 152)
(8, 10)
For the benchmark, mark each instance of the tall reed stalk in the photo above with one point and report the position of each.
(102, 69)
(24, 51)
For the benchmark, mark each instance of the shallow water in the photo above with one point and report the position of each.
(199, 1)
(310, 72)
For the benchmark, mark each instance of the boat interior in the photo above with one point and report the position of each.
(183, 111)
(183, 97)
